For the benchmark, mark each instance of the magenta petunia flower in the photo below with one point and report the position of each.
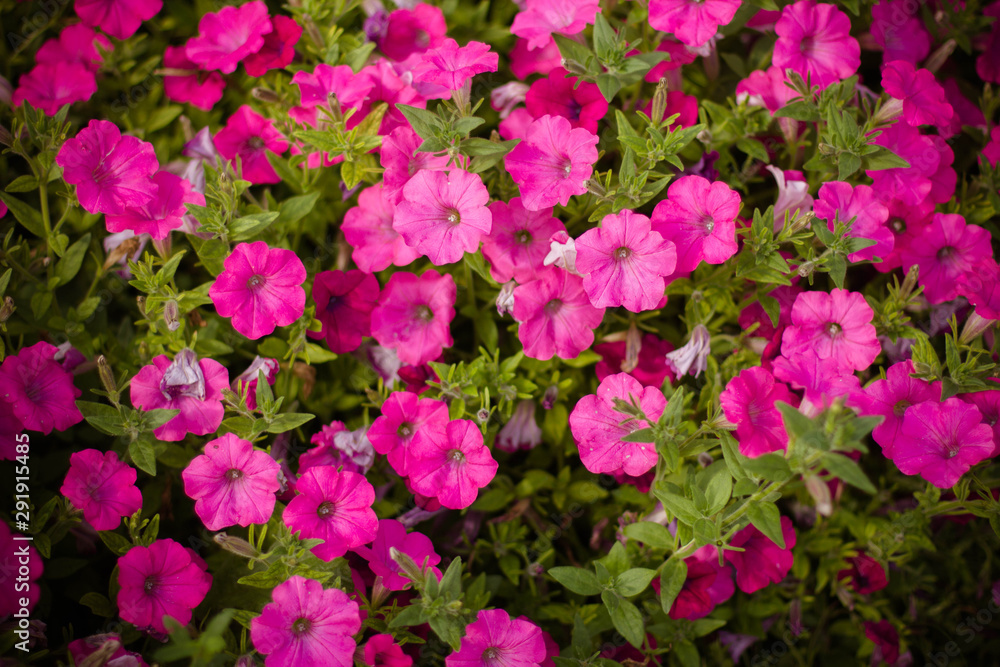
(335, 507)
(518, 240)
(598, 425)
(306, 625)
(228, 36)
(906, 223)
(383, 651)
(708, 584)
(111, 172)
(941, 441)
(698, 217)
(414, 314)
(525, 60)
(866, 574)
(749, 402)
(947, 250)
(278, 49)
(249, 136)
(556, 316)
(921, 96)
(76, 43)
(341, 82)
(495, 639)
(160, 580)
(193, 386)
(102, 487)
(231, 483)
(81, 649)
(336, 446)
(814, 39)
(822, 380)
(200, 89)
(889, 398)
(161, 214)
(260, 289)
(988, 404)
(766, 88)
(859, 206)
(51, 86)
(886, 639)
(540, 18)
(118, 18)
(12, 575)
(368, 229)
(835, 325)
(392, 534)
(624, 263)
(344, 304)
(405, 416)
(443, 214)
(452, 66)
(401, 160)
(38, 389)
(899, 29)
(554, 162)
(693, 22)
(559, 94)
(651, 363)
(411, 31)
(761, 562)
(912, 184)
(450, 465)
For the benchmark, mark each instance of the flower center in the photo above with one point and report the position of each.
(567, 166)
(833, 329)
(709, 223)
(255, 143)
(424, 313)
(623, 253)
(491, 654)
(574, 109)
(945, 253)
(405, 430)
(900, 407)
(523, 237)
(149, 584)
(553, 306)
(331, 305)
(233, 474)
(422, 39)
(453, 217)
(256, 281)
(898, 225)
(456, 456)
(33, 391)
(301, 626)
(325, 509)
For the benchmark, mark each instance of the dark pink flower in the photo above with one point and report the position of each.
(335, 507)
(200, 89)
(278, 49)
(910, 184)
(249, 136)
(161, 214)
(451, 465)
(889, 398)
(835, 325)
(392, 535)
(414, 314)
(76, 43)
(922, 97)
(859, 207)
(698, 216)
(518, 240)
(495, 639)
(306, 625)
(708, 584)
(404, 417)
(814, 39)
(111, 172)
(766, 88)
(540, 18)
(228, 36)
(39, 390)
(412, 31)
(749, 402)
(383, 651)
(368, 229)
(947, 250)
(525, 61)
(452, 66)
(401, 160)
(260, 289)
(102, 487)
(553, 163)
(906, 223)
(866, 574)
(231, 483)
(886, 639)
(560, 94)
(762, 562)
(556, 316)
(899, 29)
(193, 386)
(118, 18)
(344, 304)
(988, 404)
(651, 363)
(160, 580)
(693, 22)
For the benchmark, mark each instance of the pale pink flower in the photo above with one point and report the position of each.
(556, 316)
(554, 162)
(692, 357)
(793, 195)
(698, 216)
(414, 314)
(496, 639)
(451, 465)
(521, 431)
(693, 22)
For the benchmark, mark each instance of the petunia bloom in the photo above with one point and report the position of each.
(368, 230)
(707, 584)
(886, 639)
(451, 465)
(521, 431)
(344, 304)
(260, 289)
(890, 398)
(40, 392)
(554, 162)
(859, 206)
(413, 30)
(160, 580)
(405, 416)
(559, 94)
(228, 36)
(814, 39)
(414, 314)
(118, 18)
(518, 240)
(335, 507)
(161, 214)
(650, 364)
(200, 89)
(922, 98)
(749, 402)
(947, 250)
(832, 325)
(383, 651)
(193, 386)
(402, 161)
(541, 18)
(866, 574)
(249, 137)
(393, 535)
(76, 43)
(51, 86)
(762, 562)
(278, 49)
(495, 638)
(452, 66)
(231, 483)
(698, 216)
(556, 316)
(102, 487)
(693, 22)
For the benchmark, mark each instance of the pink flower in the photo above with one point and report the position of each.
(401, 160)
(762, 562)
(306, 625)
(708, 584)
(405, 417)
(451, 465)
(518, 241)
(414, 314)
(260, 288)
(947, 250)
(443, 214)
(340, 448)
(693, 22)
(160, 580)
(392, 534)
(941, 441)
(413, 31)
(102, 487)
(50, 87)
(922, 97)
(823, 380)
(906, 223)
(249, 136)
(521, 431)
(833, 325)
(560, 94)
(909, 184)
(278, 49)
(335, 507)
(452, 66)
(525, 61)
(368, 229)
(111, 172)
(599, 422)
(698, 216)
(76, 43)
(382, 651)
(81, 649)
(231, 483)
(886, 639)
(624, 263)
(494, 639)
(749, 402)
(200, 89)
(344, 304)
(988, 404)
(859, 207)
(193, 386)
(988, 63)
(866, 574)
(341, 82)
(554, 162)
(766, 88)
(899, 29)
(39, 390)
(248, 379)
(11, 575)
(815, 41)
(541, 18)
(556, 316)
(161, 214)
(889, 398)
(651, 362)
(118, 18)
(228, 36)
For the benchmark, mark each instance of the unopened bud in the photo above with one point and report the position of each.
(101, 656)
(659, 102)
(379, 593)
(705, 459)
(909, 283)
(236, 545)
(265, 95)
(107, 377)
(141, 302)
(7, 309)
(6, 138)
(975, 326)
(245, 661)
(171, 315)
(406, 564)
(938, 58)
(633, 346)
(826, 149)
(482, 415)
(313, 32)
(550, 397)
(820, 492)
(806, 269)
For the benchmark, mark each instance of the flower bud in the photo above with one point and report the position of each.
(633, 346)
(505, 299)
(236, 545)
(820, 492)
(975, 326)
(522, 431)
(659, 102)
(171, 315)
(101, 656)
(107, 377)
(6, 309)
(705, 459)
(265, 95)
(940, 56)
(693, 357)
(550, 397)
(909, 283)
(141, 302)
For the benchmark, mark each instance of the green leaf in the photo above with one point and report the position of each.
(576, 579)
(796, 423)
(800, 110)
(609, 85)
(414, 614)
(847, 164)
(705, 532)
(883, 158)
(753, 148)
(687, 654)
(634, 581)
(771, 467)
(605, 39)
(118, 544)
(425, 123)
(23, 183)
(626, 618)
(26, 215)
(104, 418)
(848, 471)
(251, 225)
(276, 574)
(154, 419)
(143, 455)
(296, 208)
(718, 489)
(642, 435)
(162, 117)
(98, 604)
(767, 519)
(672, 578)
(286, 421)
(651, 534)
(679, 506)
